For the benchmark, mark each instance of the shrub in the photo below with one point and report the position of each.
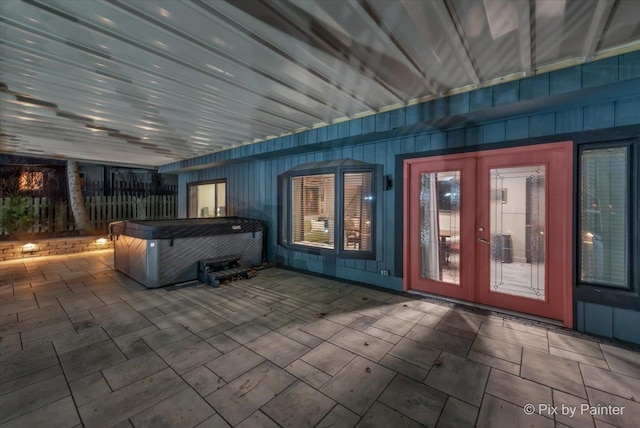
(17, 215)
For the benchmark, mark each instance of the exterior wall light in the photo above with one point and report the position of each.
(29, 247)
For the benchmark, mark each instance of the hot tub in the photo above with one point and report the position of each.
(163, 252)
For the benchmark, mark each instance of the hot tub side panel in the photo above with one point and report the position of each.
(130, 258)
(177, 260)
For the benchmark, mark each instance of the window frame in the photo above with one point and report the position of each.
(285, 211)
(204, 182)
(633, 223)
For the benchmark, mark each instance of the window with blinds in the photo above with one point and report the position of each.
(330, 207)
(313, 210)
(357, 215)
(604, 223)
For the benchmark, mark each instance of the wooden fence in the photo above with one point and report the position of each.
(56, 216)
(95, 187)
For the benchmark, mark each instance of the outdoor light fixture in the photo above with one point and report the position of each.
(101, 241)
(29, 247)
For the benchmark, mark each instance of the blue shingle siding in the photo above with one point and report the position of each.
(517, 129)
(459, 104)
(332, 132)
(535, 87)
(472, 137)
(481, 99)
(506, 93)
(629, 66)
(494, 132)
(627, 112)
(456, 138)
(344, 130)
(570, 120)
(599, 116)
(436, 109)
(438, 141)
(368, 124)
(542, 124)
(397, 118)
(600, 72)
(383, 121)
(512, 111)
(413, 114)
(565, 80)
(598, 319)
(626, 325)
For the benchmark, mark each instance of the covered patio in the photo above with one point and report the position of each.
(81, 343)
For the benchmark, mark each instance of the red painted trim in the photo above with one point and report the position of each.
(405, 226)
(413, 280)
(475, 256)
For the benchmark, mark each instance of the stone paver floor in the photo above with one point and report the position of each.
(81, 344)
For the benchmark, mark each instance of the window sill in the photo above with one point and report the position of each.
(329, 251)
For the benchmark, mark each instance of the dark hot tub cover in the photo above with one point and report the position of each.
(184, 228)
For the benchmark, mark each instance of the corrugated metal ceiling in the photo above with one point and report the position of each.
(151, 82)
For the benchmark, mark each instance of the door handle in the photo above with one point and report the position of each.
(484, 241)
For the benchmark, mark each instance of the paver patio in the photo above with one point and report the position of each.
(81, 344)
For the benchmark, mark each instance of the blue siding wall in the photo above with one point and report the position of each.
(595, 96)
(622, 324)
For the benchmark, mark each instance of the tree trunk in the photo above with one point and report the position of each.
(83, 224)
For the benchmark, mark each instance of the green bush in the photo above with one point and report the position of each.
(17, 215)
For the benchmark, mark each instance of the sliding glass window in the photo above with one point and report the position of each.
(207, 199)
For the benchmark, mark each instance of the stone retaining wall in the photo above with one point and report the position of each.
(10, 250)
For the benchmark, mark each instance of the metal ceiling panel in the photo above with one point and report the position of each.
(624, 26)
(424, 40)
(148, 82)
(492, 31)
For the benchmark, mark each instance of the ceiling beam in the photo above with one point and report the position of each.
(274, 97)
(325, 37)
(176, 32)
(455, 35)
(525, 35)
(597, 28)
(278, 50)
(387, 32)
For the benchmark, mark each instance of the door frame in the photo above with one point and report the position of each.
(560, 186)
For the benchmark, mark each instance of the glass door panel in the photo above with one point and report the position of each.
(440, 237)
(440, 226)
(493, 227)
(517, 231)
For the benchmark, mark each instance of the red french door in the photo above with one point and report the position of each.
(492, 227)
